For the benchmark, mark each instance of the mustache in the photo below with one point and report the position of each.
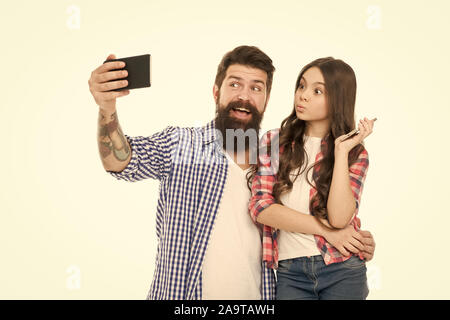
(242, 105)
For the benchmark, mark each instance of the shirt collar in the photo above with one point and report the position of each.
(209, 132)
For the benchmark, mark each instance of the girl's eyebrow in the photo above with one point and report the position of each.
(317, 82)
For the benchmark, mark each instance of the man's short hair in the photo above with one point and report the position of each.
(248, 56)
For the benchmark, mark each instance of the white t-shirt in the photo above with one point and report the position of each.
(232, 264)
(294, 244)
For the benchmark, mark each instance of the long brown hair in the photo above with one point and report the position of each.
(340, 91)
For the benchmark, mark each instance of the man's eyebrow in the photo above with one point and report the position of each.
(239, 78)
(234, 77)
(317, 82)
(259, 81)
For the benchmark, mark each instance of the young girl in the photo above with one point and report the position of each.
(318, 183)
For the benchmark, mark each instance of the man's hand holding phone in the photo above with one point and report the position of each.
(105, 78)
(115, 77)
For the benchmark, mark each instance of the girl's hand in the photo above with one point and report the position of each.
(365, 128)
(346, 240)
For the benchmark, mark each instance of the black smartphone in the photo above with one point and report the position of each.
(139, 72)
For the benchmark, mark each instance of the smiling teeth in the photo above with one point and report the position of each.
(242, 109)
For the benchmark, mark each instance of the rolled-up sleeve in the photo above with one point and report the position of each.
(265, 177)
(151, 157)
(357, 173)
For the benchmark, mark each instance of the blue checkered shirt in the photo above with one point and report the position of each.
(192, 170)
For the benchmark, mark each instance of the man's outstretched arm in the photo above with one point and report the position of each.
(115, 151)
(124, 157)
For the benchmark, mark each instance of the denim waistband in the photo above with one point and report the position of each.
(317, 258)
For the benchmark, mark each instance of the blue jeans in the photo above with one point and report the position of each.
(308, 278)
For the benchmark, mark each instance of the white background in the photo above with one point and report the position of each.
(68, 230)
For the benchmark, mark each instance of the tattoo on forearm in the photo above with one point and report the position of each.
(106, 144)
(105, 148)
(122, 153)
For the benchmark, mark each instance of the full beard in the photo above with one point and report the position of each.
(242, 130)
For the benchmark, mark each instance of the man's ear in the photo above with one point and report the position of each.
(267, 101)
(216, 93)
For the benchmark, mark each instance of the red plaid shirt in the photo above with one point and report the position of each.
(262, 198)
